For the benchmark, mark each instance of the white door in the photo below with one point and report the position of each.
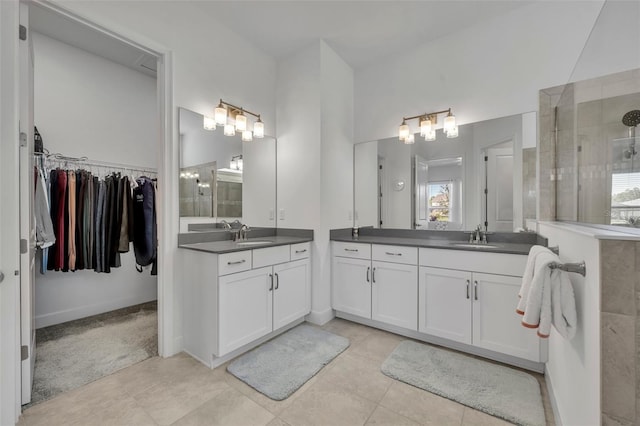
(27, 228)
(244, 308)
(445, 303)
(421, 191)
(500, 189)
(394, 294)
(496, 325)
(352, 286)
(291, 292)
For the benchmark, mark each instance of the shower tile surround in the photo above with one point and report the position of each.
(589, 118)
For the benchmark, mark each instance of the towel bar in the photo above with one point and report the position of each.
(578, 268)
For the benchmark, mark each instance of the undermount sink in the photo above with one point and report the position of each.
(253, 243)
(475, 246)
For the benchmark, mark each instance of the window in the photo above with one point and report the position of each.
(625, 199)
(439, 198)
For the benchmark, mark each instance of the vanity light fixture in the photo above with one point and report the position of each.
(427, 126)
(236, 162)
(234, 119)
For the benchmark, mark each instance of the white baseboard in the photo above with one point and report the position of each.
(552, 398)
(86, 311)
(320, 318)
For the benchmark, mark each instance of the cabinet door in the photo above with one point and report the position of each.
(394, 294)
(352, 286)
(291, 297)
(496, 325)
(244, 308)
(445, 303)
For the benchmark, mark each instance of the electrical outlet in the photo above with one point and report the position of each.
(272, 214)
(281, 214)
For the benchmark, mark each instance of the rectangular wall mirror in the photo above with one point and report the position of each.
(224, 178)
(486, 176)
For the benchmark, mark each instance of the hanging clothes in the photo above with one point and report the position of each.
(145, 240)
(45, 235)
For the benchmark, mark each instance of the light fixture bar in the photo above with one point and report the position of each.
(239, 109)
(427, 122)
(429, 115)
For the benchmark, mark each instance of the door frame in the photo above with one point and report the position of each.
(169, 341)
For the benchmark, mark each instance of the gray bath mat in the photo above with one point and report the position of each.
(280, 366)
(500, 391)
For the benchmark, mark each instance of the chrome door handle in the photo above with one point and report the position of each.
(392, 254)
(351, 249)
(237, 262)
(271, 278)
(277, 281)
(475, 290)
(368, 271)
(301, 251)
(373, 275)
(468, 282)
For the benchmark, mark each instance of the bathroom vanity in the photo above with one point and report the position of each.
(240, 294)
(443, 291)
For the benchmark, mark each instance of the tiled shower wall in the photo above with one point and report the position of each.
(529, 183)
(620, 332)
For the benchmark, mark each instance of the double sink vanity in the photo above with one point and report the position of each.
(433, 286)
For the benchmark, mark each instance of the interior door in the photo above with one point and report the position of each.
(421, 202)
(27, 226)
(499, 194)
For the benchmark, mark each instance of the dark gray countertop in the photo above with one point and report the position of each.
(448, 244)
(228, 246)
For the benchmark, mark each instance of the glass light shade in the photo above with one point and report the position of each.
(453, 133)
(410, 139)
(229, 130)
(233, 164)
(209, 123)
(403, 131)
(431, 136)
(240, 163)
(241, 122)
(220, 115)
(449, 123)
(425, 126)
(258, 129)
(247, 136)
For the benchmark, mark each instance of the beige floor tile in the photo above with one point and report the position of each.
(77, 404)
(228, 408)
(385, 417)
(377, 346)
(123, 413)
(324, 404)
(166, 402)
(360, 375)
(348, 329)
(477, 418)
(278, 422)
(422, 406)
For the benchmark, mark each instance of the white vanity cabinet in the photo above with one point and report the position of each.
(235, 300)
(464, 303)
(367, 284)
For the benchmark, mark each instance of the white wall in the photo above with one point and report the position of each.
(88, 106)
(573, 369)
(490, 70)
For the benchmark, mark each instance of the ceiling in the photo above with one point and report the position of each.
(361, 32)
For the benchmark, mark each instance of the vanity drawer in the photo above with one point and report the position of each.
(270, 256)
(238, 261)
(300, 251)
(396, 254)
(355, 250)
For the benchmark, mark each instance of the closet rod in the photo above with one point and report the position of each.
(86, 160)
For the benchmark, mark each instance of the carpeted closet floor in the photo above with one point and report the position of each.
(77, 352)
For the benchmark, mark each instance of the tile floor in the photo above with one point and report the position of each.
(179, 390)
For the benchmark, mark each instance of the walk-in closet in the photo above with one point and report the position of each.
(94, 165)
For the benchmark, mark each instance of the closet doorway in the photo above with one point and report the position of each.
(95, 100)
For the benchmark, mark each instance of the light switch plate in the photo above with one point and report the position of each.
(272, 214)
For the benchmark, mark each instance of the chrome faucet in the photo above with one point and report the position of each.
(244, 229)
(225, 224)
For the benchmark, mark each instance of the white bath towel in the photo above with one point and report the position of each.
(563, 304)
(537, 310)
(527, 278)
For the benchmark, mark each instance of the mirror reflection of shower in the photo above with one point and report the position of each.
(625, 178)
